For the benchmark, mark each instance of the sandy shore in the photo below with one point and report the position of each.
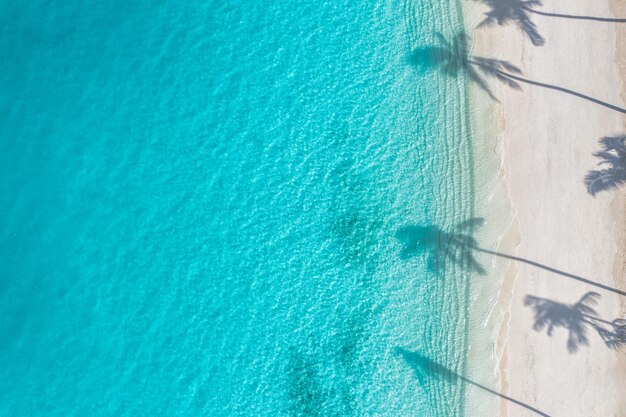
(561, 234)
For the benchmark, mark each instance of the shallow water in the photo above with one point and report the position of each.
(199, 204)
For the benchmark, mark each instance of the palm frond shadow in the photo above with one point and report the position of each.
(503, 12)
(615, 336)
(612, 156)
(576, 318)
(573, 317)
(453, 58)
(425, 368)
(441, 247)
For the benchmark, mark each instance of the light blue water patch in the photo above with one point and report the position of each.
(199, 201)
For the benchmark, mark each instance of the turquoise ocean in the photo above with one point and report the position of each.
(199, 202)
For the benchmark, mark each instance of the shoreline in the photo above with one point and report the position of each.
(544, 143)
(491, 293)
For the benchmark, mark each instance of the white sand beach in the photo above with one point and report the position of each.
(566, 239)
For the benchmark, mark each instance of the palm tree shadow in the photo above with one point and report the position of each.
(457, 246)
(503, 12)
(576, 319)
(613, 161)
(573, 317)
(453, 58)
(425, 367)
(441, 247)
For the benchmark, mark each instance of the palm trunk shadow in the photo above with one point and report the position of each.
(424, 366)
(577, 17)
(561, 89)
(550, 269)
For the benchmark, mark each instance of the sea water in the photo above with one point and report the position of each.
(200, 201)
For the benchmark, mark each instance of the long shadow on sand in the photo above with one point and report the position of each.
(576, 17)
(612, 156)
(577, 318)
(563, 90)
(425, 367)
(458, 246)
(452, 58)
